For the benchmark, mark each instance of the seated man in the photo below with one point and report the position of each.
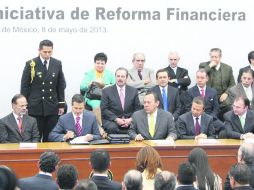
(67, 177)
(100, 162)
(244, 88)
(152, 123)
(133, 180)
(76, 123)
(168, 95)
(164, 181)
(239, 122)
(195, 124)
(245, 155)
(18, 126)
(240, 177)
(186, 177)
(140, 77)
(47, 165)
(118, 103)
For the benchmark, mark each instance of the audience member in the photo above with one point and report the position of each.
(102, 77)
(220, 77)
(118, 103)
(76, 123)
(240, 177)
(152, 123)
(86, 184)
(240, 121)
(179, 77)
(8, 180)
(43, 181)
(164, 181)
(100, 162)
(195, 124)
(67, 177)
(186, 177)
(245, 155)
(168, 95)
(251, 66)
(149, 163)
(132, 180)
(18, 126)
(43, 85)
(206, 178)
(243, 88)
(140, 77)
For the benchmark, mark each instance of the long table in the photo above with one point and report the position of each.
(123, 156)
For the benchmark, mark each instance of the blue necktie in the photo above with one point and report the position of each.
(165, 99)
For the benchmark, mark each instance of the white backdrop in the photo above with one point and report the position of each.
(119, 38)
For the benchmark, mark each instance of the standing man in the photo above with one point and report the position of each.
(76, 123)
(179, 77)
(140, 77)
(43, 85)
(168, 95)
(118, 103)
(18, 126)
(152, 123)
(239, 122)
(220, 77)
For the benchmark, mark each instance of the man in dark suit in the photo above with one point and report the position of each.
(42, 181)
(164, 179)
(220, 78)
(240, 177)
(179, 77)
(186, 176)
(67, 177)
(152, 123)
(168, 95)
(76, 123)
(244, 88)
(239, 122)
(100, 162)
(118, 103)
(210, 98)
(18, 126)
(251, 66)
(43, 85)
(245, 155)
(195, 124)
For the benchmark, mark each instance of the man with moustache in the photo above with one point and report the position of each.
(18, 126)
(118, 103)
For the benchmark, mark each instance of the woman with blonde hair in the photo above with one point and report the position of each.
(149, 163)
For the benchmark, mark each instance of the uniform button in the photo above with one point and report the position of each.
(42, 90)
(42, 97)
(50, 97)
(50, 82)
(43, 83)
(50, 90)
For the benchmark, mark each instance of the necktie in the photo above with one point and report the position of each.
(122, 97)
(202, 92)
(140, 75)
(20, 124)
(45, 66)
(197, 127)
(78, 126)
(151, 125)
(165, 99)
(242, 120)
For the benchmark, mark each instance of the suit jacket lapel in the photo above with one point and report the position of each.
(14, 124)
(158, 91)
(170, 98)
(196, 91)
(192, 124)
(146, 123)
(117, 97)
(238, 122)
(157, 123)
(50, 69)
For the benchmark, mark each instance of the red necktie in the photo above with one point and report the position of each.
(202, 92)
(197, 127)
(20, 124)
(78, 126)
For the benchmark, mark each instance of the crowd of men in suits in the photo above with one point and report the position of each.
(140, 104)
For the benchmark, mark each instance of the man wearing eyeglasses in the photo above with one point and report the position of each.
(179, 77)
(140, 77)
